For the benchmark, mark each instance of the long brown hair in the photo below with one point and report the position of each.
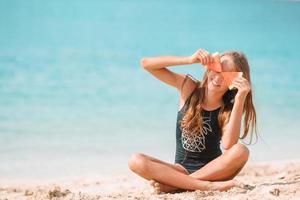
(192, 120)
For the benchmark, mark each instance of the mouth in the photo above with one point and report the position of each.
(215, 84)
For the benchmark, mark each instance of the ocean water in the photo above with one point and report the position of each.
(75, 101)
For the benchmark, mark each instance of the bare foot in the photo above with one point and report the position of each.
(216, 185)
(224, 185)
(160, 187)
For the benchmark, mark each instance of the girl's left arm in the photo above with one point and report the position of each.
(231, 130)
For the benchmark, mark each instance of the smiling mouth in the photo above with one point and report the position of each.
(215, 84)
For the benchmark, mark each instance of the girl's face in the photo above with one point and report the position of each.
(216, 82)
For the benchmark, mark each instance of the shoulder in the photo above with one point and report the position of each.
(188, 86)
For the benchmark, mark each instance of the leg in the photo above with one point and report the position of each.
(159, 187)
(176, 166)
(225, 167)
(166, 174)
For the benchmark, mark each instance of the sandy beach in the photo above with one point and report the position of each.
(76, 101)
(263, 180)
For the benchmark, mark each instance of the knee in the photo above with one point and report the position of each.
(240, 152)
(137, 162)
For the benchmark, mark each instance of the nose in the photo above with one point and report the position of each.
(218, 77)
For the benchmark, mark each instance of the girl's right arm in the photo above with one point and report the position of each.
(157, 66)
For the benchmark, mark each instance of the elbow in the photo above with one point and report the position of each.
(144, 62)
(228, 144)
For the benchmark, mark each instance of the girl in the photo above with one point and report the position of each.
(209, 113)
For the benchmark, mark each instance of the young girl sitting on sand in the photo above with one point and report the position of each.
(209, 113)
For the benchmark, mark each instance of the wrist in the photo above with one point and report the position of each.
(240, 97)
(188, 60)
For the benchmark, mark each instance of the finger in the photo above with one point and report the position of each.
(205, 51)
(200, 51)
(202, 57)
(236, 85)
(210, 58)
(205, 57)
(244, 83)
(238, 80)
(241, 80)
(242, 86)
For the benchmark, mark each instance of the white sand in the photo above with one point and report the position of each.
(269, 180)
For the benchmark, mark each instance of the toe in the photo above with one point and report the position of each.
(157, 191)
(152, 182)
(236, 183)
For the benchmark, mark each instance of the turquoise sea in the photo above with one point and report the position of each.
(75, 101)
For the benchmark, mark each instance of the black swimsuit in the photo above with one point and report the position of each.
(196, 151)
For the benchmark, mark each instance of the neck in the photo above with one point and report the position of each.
(212, 99)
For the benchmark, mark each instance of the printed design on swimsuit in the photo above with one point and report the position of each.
(196, 142)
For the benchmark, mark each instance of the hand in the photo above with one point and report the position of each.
(201, 56)
(242, 85)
